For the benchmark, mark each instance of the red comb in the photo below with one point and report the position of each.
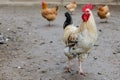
(43, 1)
(87, 6)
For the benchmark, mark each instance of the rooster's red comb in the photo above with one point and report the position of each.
(43, 1)
(87, 6)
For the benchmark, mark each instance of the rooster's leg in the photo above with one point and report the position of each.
(106, 20)
(71, 13)
(80, 68)
(68, 67)
(49, 23)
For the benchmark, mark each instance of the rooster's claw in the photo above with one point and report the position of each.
(67, 70)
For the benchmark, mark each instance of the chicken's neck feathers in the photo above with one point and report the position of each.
(90, 25)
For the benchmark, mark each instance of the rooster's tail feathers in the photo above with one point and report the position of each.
(68, 20)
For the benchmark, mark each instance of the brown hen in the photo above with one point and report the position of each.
(49, 13)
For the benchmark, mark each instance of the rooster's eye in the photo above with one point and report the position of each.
(87, 11)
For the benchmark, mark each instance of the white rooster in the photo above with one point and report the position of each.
(79, 40)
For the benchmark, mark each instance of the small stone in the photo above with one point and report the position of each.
(42, 43)
(99, 73)
(8, 29)
(96, 45)
(19, 67)
(29, 58)
(57, 64)
(45, 60)
(19, 28)
(39, 68)
(35, 40)
(7, 39)
(95, 58)
(51, 41)
(43, 71)
(100, 30)
(114, 52)
(13, 32)
(40, 78)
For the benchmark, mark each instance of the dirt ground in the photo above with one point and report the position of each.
(34, 51)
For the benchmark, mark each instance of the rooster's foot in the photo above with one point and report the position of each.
(106, 21)
(81, 73)
(67, 70)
